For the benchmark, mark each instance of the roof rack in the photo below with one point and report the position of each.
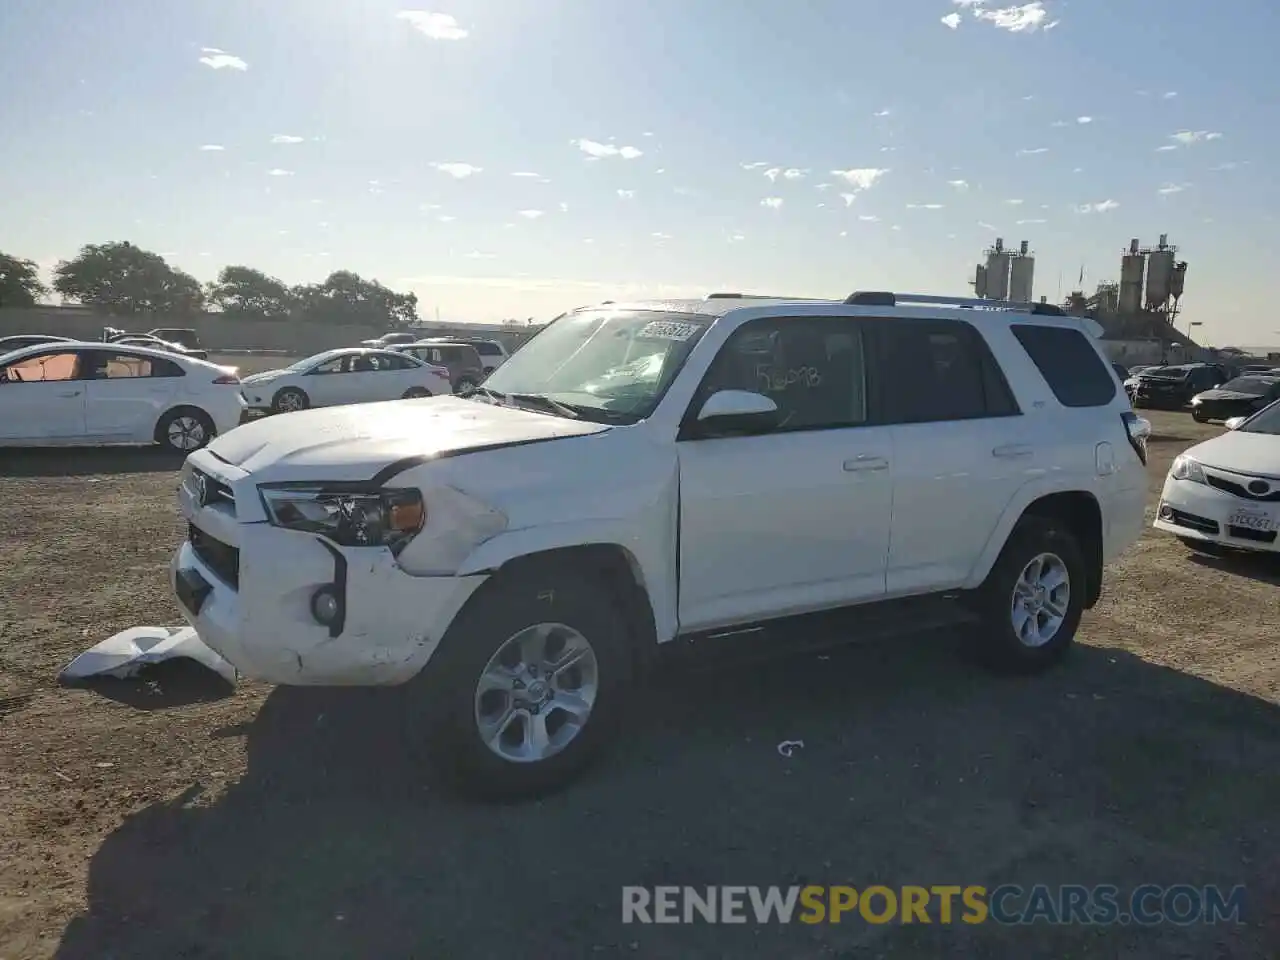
(887, 298)
(759, 296)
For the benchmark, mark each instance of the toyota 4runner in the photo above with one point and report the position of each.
(640, 476)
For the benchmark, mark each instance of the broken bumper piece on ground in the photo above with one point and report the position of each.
(125, 654)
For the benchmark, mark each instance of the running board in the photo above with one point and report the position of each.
(865, 623)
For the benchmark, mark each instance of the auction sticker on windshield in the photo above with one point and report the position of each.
(668, 330)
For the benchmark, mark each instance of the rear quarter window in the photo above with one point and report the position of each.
(1068, 362)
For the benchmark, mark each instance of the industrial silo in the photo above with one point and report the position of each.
(1160, 274)
(1132, 267)
(997, 275)
(1022, 272)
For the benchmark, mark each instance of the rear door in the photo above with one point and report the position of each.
(42, 398)
(961, 448)
(126, 393)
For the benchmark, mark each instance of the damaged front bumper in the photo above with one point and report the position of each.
(252, 602)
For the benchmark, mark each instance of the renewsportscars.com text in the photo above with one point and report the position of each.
(1148, 904)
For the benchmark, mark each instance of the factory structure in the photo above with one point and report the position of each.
(1137, 313)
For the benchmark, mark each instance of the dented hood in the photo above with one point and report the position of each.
(357, 442)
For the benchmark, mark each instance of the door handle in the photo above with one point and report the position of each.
(865, 461)
(73, 393)
(1010, 450)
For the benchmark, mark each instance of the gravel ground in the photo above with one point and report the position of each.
(176, 818)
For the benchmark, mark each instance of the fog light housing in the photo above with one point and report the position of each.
(326, 606)
(1166, 512)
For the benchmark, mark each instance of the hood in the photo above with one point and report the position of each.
(263, 377)
(1241, 452)
(1226, 395)
(355, 442)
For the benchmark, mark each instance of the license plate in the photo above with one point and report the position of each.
(1259, 520)
(192, 589)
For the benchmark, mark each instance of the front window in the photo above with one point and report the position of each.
(601, 364)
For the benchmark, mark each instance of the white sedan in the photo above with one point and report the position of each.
(75, 393)
(349, 375)
(1225, 492)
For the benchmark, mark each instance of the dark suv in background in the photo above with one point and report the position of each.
(1171, 388)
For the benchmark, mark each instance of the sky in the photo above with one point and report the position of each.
(513, 158)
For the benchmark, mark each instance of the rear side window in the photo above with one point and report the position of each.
(488, 349)
(1066, 359)
(932, 371)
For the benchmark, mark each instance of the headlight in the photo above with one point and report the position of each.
(1197, 400)
(1184, 468)
(352, 518)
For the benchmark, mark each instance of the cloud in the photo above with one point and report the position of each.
(277, 172)
(659, 235)
(737, 238)
(437, 26)
(772, 173)
(1059, 124)
(1169, 95)
(986, 226)
(531, 214)
(1100, 207)
(822, 186)
(1025, 222)
(1018, 19)
(285, 138)
(793, 173)
(1032, 152)
(459, 171)
(1015, 202)
(1188, 137)
(524, 173)
(924, 206)
(1084, 119)
(221, 60)
(862, 178)
(209, 147)
(1229, 165)
(598, 151)
(868, 218)
(961, 185)
(626, 194)
(754, 165)
(848, 198)
(564, 207)
(478, 255)
(951, 20)
(773, 203)
(1172, 188)
(1166, 148)
(882, 113)
(446, 218)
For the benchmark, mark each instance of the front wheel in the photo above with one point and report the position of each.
(464, 386)
(1033, 598)
(416, 393)
(527, 686)
(1198, 417)
(184, 430)
(290, 399)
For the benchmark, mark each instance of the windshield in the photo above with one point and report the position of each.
(1254, 385)
(1167, 373)
(613, 362)
(1266, 420)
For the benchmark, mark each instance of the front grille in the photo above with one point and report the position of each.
(222, 558)
(215, 489)
(1241, 490)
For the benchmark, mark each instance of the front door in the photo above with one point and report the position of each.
(797, 519)
(42, 398)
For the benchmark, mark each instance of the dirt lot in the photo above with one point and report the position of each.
(178, 819)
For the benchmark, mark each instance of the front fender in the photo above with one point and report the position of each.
(648, 540)
(1026, 495)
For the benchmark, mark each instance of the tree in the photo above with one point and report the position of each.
(346, 297)
(246, 292)
(120, 278)
(20, 284)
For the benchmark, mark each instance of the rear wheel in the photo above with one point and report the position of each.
(290, 399)
(1033, 598)
(464, 386)
(527, 687)
(415, 393)
(184, 430)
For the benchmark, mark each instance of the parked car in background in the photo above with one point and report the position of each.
(155, 343)
(95, 393)
(23, 340)
(389, 340)
(348, 375)
(466, 371)
(1224, 494)
(492, 353)
(1171, 388)
(1240, 397)
(181, 335)
(1121, 371)
(1249, 368)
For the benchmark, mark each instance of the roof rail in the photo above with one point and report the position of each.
(758, 296)
(882, 298)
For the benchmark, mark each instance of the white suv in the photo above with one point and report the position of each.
(650, 474)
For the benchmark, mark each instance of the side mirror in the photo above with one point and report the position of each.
(1234, 422)
(737, 411)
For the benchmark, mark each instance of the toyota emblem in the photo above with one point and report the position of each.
(202, 490)
(1259, 488)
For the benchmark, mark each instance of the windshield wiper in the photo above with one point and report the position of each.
(555, 406)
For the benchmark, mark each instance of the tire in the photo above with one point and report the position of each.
(185, 430)
(1198, 417)
(444, 707)
(996, 642)
(289, 399)
(415, 393)
(464, 386)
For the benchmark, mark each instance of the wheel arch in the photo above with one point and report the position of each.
(1080, 513)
